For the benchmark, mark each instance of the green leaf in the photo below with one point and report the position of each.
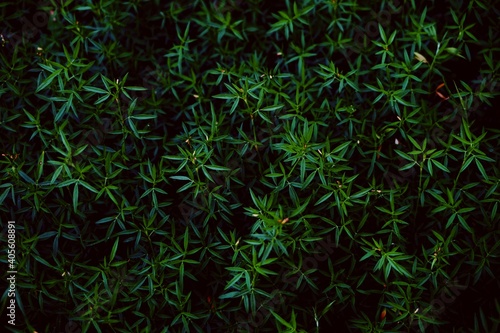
(467, 163)
(102, 99)
(56, 174)
(341, 147)
(481, 169)
(438, 236)
(234, 280)
(464, 224)
(450, 220)
(382, 33)
(299, 210)
(404, 155)
(5, 193)
(281, 320)
(217, 167)
(87, 186)
(407, 166)
(143, 116)
(231, 294)
(272, 107)
(225, 96)
(414, 143)
(43, 261)
(135, 88)
(324, 198)
(65, 141)
(440, 166)
(67, 182)
(26, 177)
(75, 197)
(114, 249)
(48, 80)
(368, 254)
(47, 68)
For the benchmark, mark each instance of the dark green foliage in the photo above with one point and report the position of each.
(252, 166)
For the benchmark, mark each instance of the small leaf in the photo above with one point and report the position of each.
(420, 58)
(95, 90)
(440, 166)
(48, 80)
(114, 249)
(75, 197)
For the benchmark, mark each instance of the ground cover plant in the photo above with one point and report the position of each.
(251, 166)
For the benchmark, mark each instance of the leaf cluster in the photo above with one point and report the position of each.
(252, 166)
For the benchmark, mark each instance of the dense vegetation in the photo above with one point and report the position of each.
(252, 166)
